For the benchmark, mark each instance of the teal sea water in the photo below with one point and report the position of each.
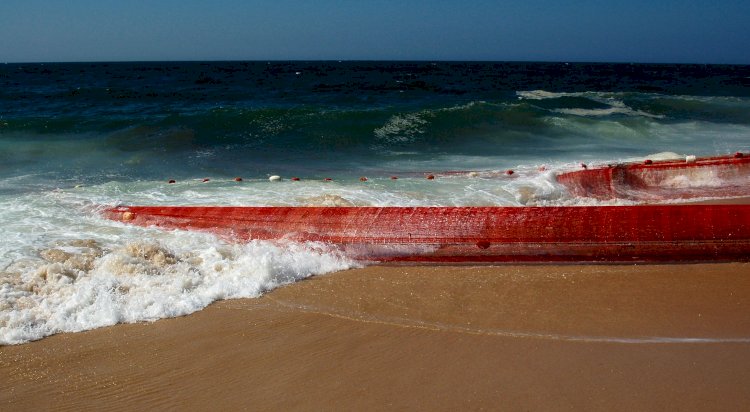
(77, 137)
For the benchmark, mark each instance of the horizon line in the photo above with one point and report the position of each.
(375, 61)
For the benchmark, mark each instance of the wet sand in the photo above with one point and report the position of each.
(538, 337)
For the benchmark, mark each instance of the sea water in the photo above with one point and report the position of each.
(76, 138)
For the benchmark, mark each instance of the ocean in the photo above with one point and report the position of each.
(78, 137)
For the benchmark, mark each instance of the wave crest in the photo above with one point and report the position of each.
(586, 104)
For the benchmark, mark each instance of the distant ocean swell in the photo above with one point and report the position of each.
(273, 120)
(309, 128)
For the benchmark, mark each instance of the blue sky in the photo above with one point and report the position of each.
(537, 30)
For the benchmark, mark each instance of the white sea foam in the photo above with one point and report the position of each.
(707, 178)
(403, 128)
(406, 127)
(64, 268)
(658, 156)
(541, 94)
(74, 290)
(616, 106)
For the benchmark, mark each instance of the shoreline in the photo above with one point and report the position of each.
(619, 337)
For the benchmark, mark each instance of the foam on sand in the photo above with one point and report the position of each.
(81, 286)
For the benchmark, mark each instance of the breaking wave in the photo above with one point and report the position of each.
(81, 284)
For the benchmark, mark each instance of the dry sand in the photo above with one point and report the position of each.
(594, 337)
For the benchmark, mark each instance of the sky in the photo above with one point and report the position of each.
(666, 31)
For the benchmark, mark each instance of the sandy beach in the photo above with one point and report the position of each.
(534, 337)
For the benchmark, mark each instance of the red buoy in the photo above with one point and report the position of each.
(430, 177)
(237, 179)
(327, 179)
(295, 179)
(648, 162)
(509, 172)
(362, 179)
(394, 177)
(171, 181)
(205, 179)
